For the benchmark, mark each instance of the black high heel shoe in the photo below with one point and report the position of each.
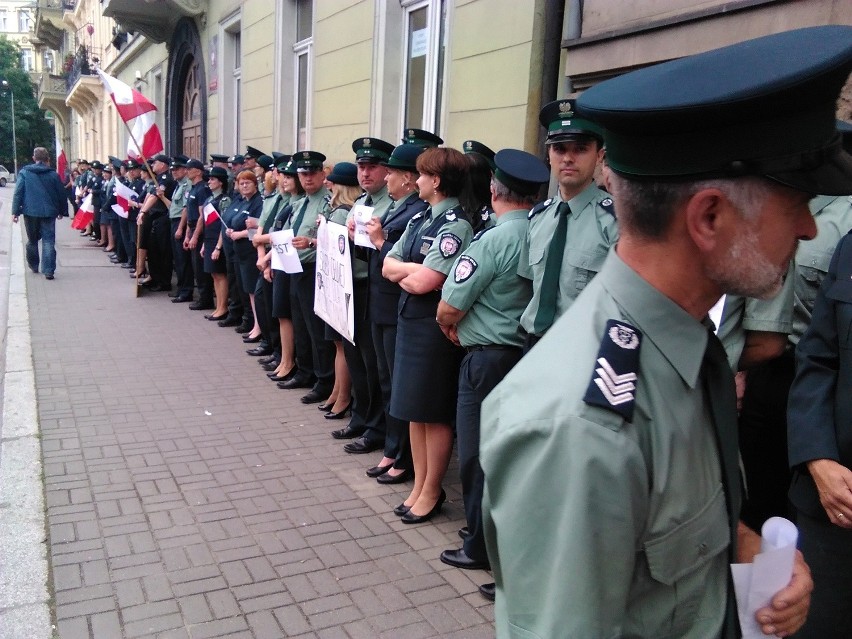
(401, 510)
(341, 414)
(411, 518)
(325, 407)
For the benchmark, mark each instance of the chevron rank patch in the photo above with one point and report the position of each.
(613, 384)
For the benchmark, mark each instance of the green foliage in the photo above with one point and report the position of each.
(31, 127)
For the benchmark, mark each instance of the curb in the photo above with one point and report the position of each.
(24, 595)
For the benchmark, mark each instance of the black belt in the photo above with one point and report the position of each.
(491, 347)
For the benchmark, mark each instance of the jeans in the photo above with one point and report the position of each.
(44, 229)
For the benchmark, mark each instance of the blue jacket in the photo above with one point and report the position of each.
(39, 192)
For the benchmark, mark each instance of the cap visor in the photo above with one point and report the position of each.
(834, 177)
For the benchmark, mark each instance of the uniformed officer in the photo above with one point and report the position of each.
(570, 234)
(250, 157)
(368, 425)
(107, 185)
(314, 355)
(137, 185)
(193, 238)
(611, 506)
(155, 232)
(182, 259)
(94, 185)
(480, 309)
(422, 138)
(481, 169)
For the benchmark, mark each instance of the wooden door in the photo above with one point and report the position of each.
(191, 128)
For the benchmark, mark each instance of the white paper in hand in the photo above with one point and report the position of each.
(284, 256)
(756, 583)
(362, 214)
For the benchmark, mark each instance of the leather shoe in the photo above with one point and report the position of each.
(377, 471)
(488, 591)
(340, 414)
(411, 518)
(362, 445)
(464, 532)
(403, 477)
(400, 510)
(259, 351)
(347, 433)
(230, 321)
(313, 397)
(181, 298)
(160, 287)
(297, 381)
(214, 318)
(269, 360)
(201, 306)
(271, 367)
(458, 557)
(243, 328)
(254, 340)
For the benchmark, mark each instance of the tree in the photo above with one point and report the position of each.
(31, 127)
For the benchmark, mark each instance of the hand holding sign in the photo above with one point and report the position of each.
(362, 215)
(284, 256)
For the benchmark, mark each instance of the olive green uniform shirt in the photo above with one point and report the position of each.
(597, 527)
(270, 206)
(485, 283)
(179, 196)
(453, 226)
(592, 229)
(381, 201)
(317, 205)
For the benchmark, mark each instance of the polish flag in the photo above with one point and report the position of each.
(61, 160)
(124, 195)
(210, 214)
(85, 214)
(129, 102)
(147, 133)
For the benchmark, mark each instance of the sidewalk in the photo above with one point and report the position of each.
(188, 497)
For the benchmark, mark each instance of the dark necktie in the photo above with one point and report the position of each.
(552, 268)
(299, 217)
(368, 201)
(721, 396)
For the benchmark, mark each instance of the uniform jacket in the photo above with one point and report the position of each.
(819, 413)
(39, 192)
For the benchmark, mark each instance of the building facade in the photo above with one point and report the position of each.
(295, 74)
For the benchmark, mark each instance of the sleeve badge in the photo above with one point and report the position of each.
(613, 383)
(465, 267)
(449, 244)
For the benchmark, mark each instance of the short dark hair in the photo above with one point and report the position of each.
(449, 165)
(40, 154)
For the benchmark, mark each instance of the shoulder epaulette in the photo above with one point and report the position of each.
(538, 208)
(482, 232)
(608, 205)
(613, 382)
(452, 215)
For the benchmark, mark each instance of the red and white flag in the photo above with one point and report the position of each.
(124, 195)
(129, 102)
(147, 133)
(210, 214)
(61, 160)
(85, 214)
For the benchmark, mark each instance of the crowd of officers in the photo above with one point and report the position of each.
(470, 270)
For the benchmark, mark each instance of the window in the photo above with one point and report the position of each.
(47, 61)
(4, 19)
(27, 60)
(230, 88)
(423, 67)
(24, 21)
(238, 81)
(303, 61)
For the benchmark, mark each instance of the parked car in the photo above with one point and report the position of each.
(5, 176)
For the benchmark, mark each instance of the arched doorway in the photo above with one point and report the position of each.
(186, 112)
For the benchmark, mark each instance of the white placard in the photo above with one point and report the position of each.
(362, 214)
(284, 256)
(333, 285)
(419, 43)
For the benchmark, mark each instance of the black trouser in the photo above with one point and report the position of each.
(481, 370)
(763, 440)
(263, 312)
(182, 261)
(397, 441)
(235, 297)
(312, 328)
(160, 252)
(368, 410)
(118, 239)
(203, 281)
(128, 237)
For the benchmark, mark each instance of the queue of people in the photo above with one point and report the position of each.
(599, 468)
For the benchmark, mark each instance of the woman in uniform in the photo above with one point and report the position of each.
(426, 366)
(249, 203)
(211, 251)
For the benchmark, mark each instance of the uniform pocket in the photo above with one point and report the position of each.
(840, 292)
(585, 265)
(812, 267)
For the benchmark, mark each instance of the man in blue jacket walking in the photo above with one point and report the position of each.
(40, 198)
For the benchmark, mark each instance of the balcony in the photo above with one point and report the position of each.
(48, 26)
(84, 90)
(52, 92)
(155, 20)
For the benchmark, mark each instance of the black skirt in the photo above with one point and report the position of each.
(211, 265)
(425, 373)
(281, 307)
